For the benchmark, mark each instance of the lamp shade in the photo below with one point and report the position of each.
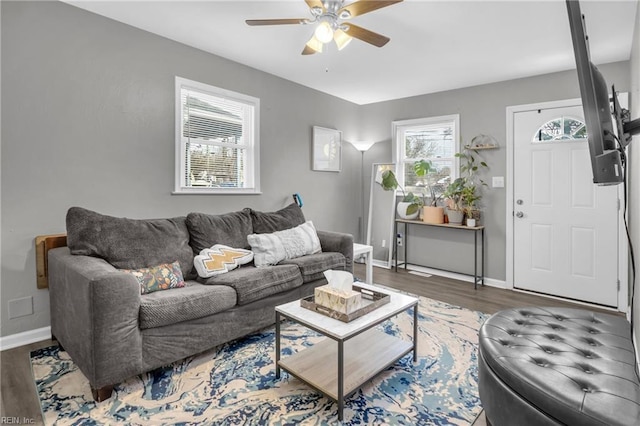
(324, 32)
(342, 39)
(362, 145)
(315, 44)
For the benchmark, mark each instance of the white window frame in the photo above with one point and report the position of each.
(251, 136)
(398, 148)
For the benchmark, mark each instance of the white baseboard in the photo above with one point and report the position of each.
(456, 276)
(380, 264)
(25, 338)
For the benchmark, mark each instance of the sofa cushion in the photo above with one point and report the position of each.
(270, 249)
(190, 302)
(230, 229)
(129, 243)
(285, 218)
(156, 278)
(251, 283)
(313, 265)
(220, 259)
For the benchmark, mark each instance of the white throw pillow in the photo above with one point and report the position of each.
(220, 259)
(270, 249)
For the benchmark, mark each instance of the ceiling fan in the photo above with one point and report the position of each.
(328, 15)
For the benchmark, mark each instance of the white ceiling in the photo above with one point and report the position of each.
(435, 45)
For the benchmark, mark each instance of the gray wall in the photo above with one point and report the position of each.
(482, 109)
(88, 114)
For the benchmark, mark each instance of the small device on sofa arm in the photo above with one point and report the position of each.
(298, 199)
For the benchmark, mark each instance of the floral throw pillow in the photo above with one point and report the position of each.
(156, 278)
(220, 259)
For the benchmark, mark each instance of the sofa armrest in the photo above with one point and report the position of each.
(94, 316)
(340, 243)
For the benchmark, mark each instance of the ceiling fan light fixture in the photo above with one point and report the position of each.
(315, 44)
(342, 39)
(324, 32)
(344, 14)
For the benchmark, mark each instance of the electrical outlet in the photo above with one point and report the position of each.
(384, 243)
(497, 181)
(20, 307)
(399, 240)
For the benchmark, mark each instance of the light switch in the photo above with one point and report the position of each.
(497, 182)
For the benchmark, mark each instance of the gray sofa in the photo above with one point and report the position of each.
(112, 332)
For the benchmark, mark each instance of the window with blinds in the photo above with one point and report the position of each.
(433, 139)
(217, 140)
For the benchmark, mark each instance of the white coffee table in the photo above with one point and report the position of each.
(361, 351)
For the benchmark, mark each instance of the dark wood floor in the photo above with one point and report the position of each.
(18, 395)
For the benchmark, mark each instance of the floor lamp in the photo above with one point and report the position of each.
(362, 146)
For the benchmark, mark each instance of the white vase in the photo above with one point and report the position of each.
(471, 222)
(402, 211)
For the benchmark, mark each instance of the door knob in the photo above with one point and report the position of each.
(519, 214)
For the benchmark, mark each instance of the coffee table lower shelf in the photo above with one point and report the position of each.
(365, 355)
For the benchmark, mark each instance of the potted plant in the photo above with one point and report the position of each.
(409, 207)
(431, 213)
(466, 189)
(469, 199)
(455, 204)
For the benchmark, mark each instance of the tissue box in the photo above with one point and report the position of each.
(341, 301)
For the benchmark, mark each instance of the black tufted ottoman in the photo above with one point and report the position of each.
(550, 366)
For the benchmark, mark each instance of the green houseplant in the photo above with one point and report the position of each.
(409, 207)
(464, 192)
(455, 203)
(470, 197)
(431, 213)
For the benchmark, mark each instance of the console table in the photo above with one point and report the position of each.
(475, 229)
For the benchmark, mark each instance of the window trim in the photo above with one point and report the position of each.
(253, 162)
(397, 153)
(561, 139)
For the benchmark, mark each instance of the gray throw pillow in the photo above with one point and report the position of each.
(230, 229)
(286, 218)
(271, 249)
(129, 243)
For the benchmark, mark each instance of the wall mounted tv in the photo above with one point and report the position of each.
(605, 148)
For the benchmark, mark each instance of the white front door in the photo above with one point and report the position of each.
(565, 228)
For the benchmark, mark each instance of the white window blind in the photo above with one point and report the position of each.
(217, 140)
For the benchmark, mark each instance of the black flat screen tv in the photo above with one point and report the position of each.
(605, 148)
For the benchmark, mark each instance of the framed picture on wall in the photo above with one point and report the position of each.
(326, 149)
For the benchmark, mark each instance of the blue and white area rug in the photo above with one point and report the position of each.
(235, 383)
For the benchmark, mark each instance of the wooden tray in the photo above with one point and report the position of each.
(371, 300)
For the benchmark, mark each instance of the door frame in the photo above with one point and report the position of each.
(623, 249)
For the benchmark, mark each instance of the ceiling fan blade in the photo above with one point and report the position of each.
(308, 51)
(365, 6)
(367, 36)
(254, 22)
(314, 3)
